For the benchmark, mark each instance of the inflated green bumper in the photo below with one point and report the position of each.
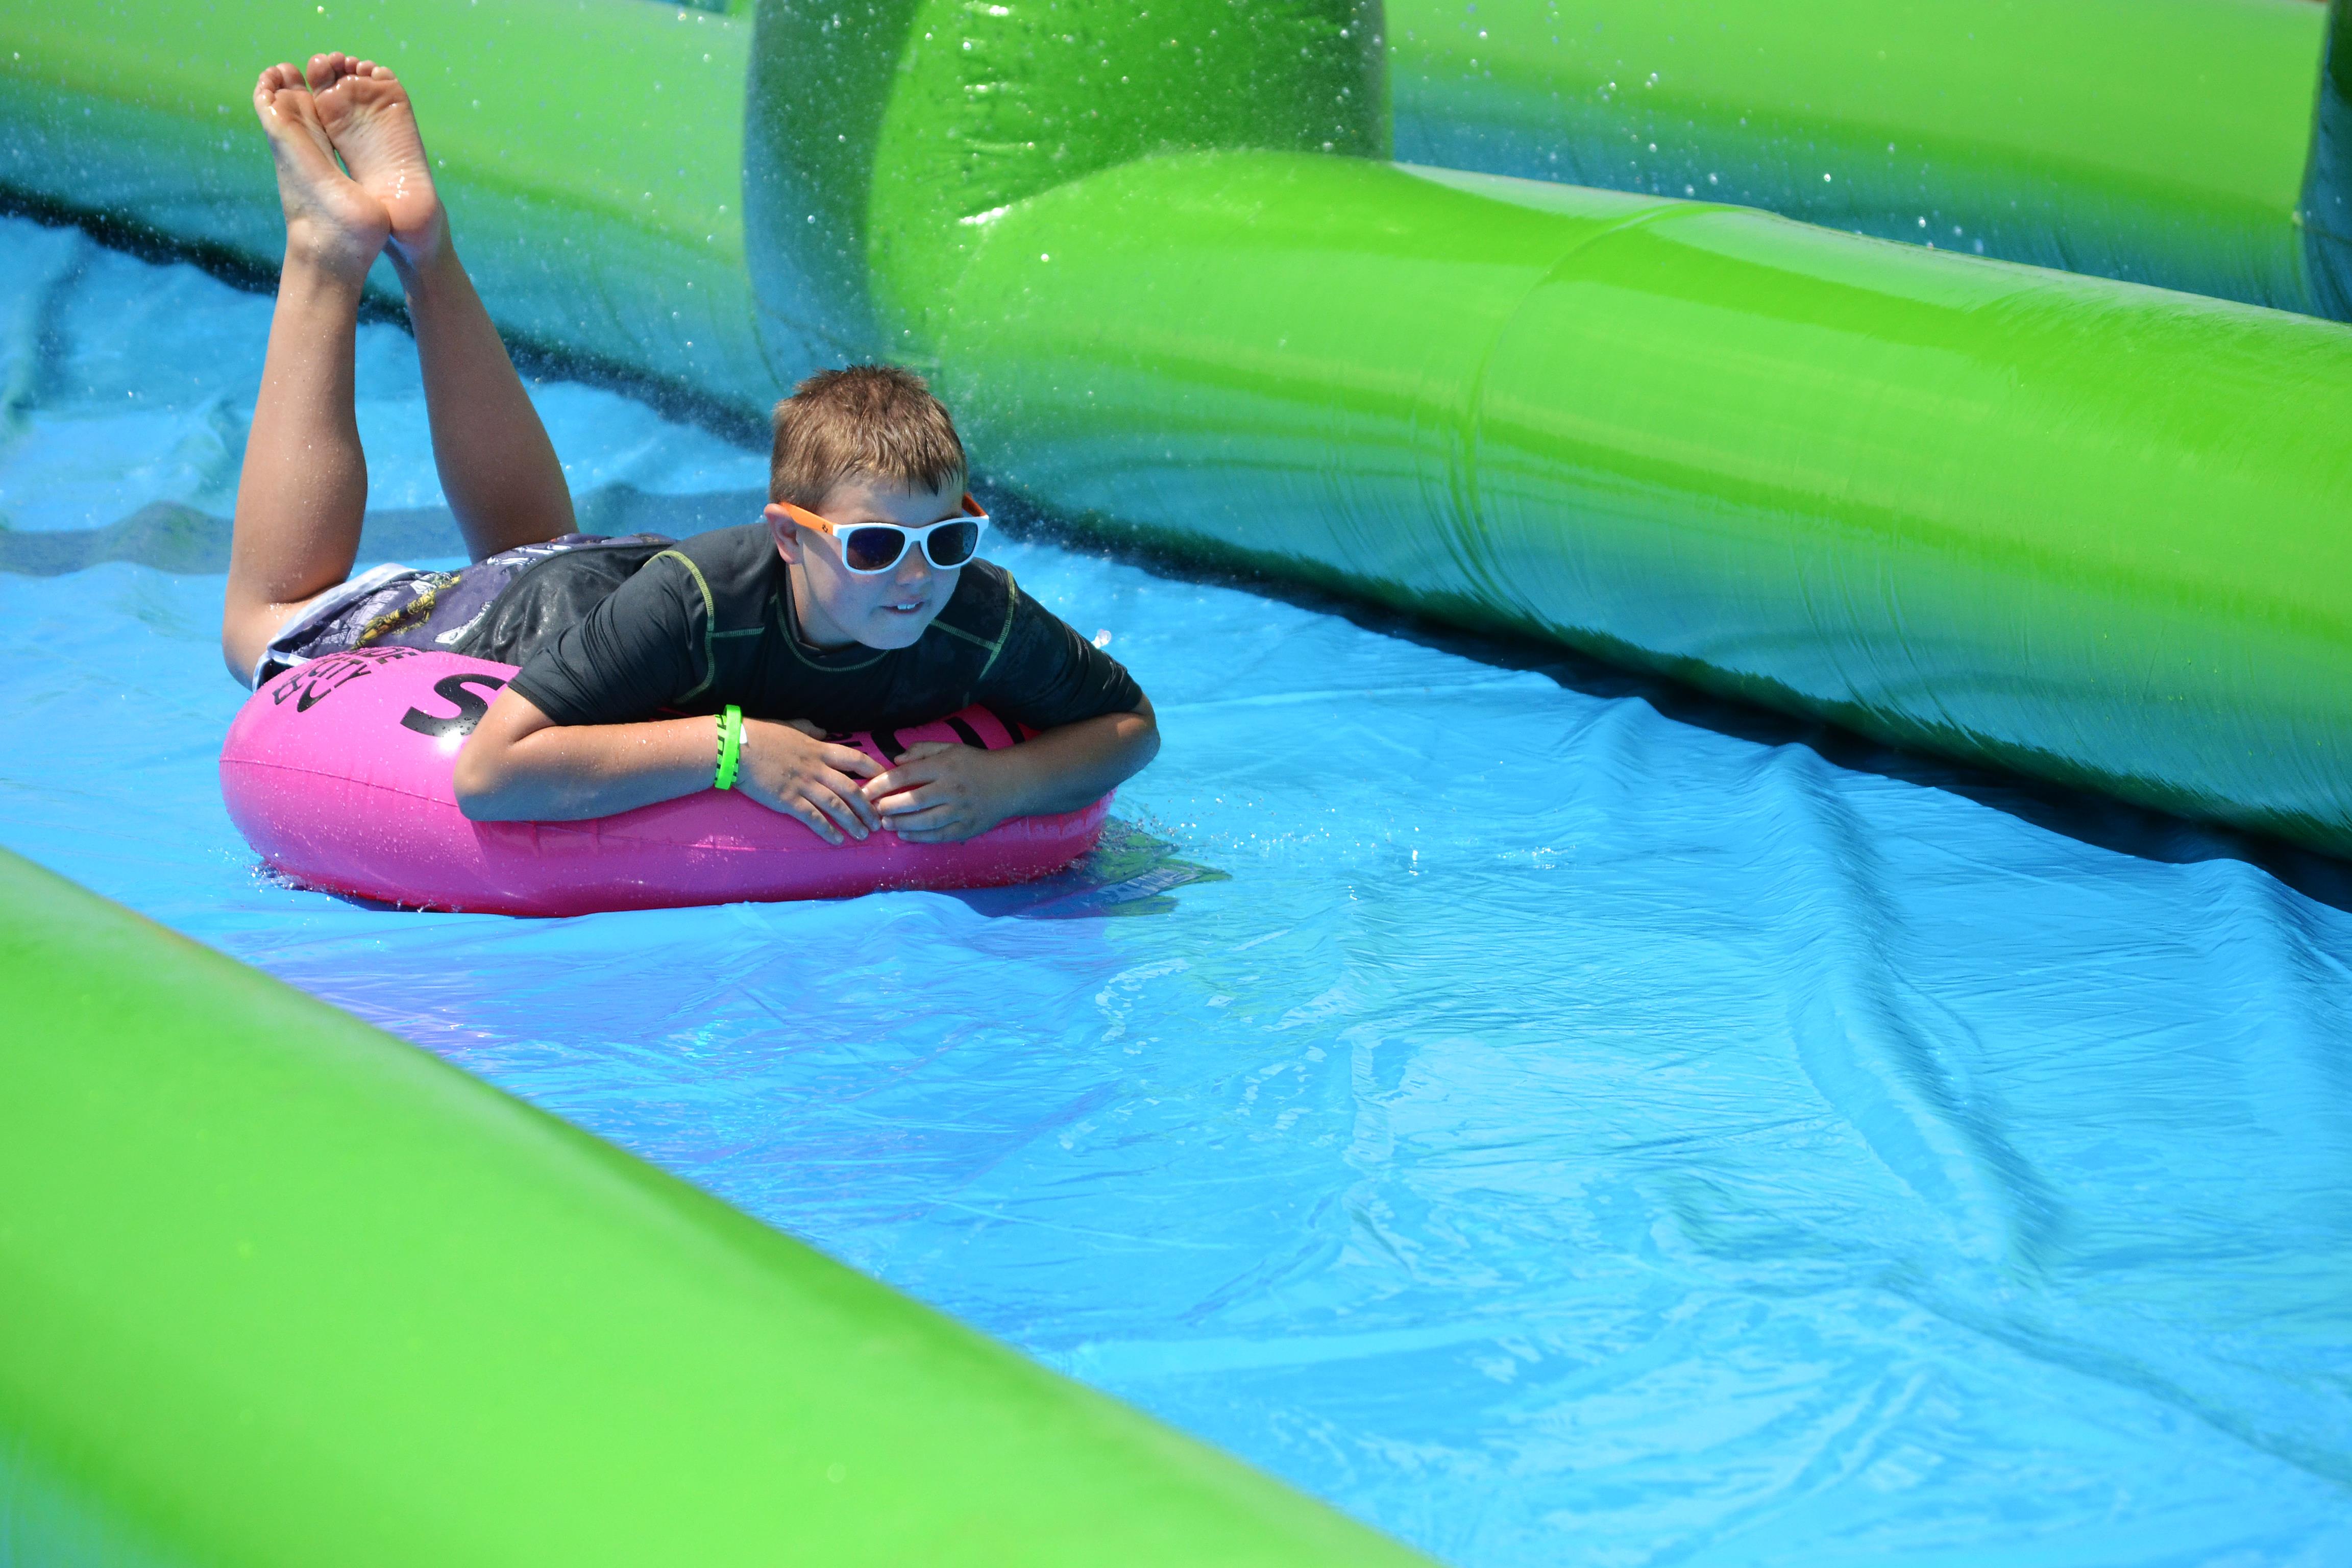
(2083, 527)
(2088, 531)
(276, 1287)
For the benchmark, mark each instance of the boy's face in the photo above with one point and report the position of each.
(837, 607)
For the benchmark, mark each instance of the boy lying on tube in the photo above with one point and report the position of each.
(858, 602)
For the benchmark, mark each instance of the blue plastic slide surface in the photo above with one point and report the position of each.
(1573, 1132)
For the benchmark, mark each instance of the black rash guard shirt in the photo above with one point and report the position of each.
(709, 621)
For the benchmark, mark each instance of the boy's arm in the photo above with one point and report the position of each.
(520, 765)
(940, 792)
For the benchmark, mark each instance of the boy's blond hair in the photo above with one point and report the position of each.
(868, 421)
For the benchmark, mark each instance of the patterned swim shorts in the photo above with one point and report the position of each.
(399, 607)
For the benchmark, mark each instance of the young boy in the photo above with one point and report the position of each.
(856, 605)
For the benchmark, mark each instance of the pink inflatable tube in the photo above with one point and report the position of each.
(337, 773)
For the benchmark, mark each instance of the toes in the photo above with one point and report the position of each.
(327, 74)
(271, 99)
(326, 71)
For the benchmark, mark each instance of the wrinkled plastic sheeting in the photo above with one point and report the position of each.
(1573, 1133)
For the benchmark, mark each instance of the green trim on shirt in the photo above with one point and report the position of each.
(1011, 603)
(709, 627)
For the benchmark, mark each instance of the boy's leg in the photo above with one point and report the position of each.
(498, 467)
(303, 489)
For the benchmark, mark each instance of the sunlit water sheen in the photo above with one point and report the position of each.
(1571, 1135)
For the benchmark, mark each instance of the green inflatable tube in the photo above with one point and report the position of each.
(280, 1288)
(2166, 141)
(2062, 524)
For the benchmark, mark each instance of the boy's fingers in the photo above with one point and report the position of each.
(848, 821)
(825, 810)
(834, 796)
(911, 771)
(853, 799)
(850, 760)
(905, 803)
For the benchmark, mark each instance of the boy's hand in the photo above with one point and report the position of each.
(788, 768)
(940, 792)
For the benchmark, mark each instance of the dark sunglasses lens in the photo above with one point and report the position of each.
(953, 545)
(873, 549)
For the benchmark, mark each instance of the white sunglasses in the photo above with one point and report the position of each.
(870, 549)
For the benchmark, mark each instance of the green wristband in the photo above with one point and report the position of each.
(730, 747)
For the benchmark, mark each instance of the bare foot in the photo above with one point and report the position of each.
(366, 114)
(329, 220)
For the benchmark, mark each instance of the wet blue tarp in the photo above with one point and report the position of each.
(1575, 1133)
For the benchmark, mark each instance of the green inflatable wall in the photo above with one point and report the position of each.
(2166, 142)
(2052, 522)
(278, 1289)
